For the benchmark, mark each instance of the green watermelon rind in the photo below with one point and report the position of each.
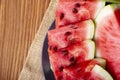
(114, 6)
(101, 61)
(112, 1)
(102, 72)
(110, 10)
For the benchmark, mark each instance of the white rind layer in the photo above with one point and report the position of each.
(91, 49)
(104, 12)
(109, 9)
(100, 5)
(103, 73)
(90, 29)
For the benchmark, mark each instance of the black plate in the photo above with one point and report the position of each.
(45, 58)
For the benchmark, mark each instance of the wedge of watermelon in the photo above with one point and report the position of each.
(73, 54)
(107, 38)
(87, 70)
(70, 34)
(80, 71)
(72, 11)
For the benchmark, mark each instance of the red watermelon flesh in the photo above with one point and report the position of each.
(107, 38)
(74, 53)
(70, 34)
(78, 71)
(72, 11)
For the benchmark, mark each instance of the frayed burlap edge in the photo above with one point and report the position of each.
(32, 69)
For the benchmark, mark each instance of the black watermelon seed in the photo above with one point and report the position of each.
(55, 49)
(72, 59)
(74, 10)
(68, 33)
(61, 68)
(65, 52)
(50, 47)
(61, 16)
(77, 5)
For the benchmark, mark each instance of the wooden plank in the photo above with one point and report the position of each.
(19, 20)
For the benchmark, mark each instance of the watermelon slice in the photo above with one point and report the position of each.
(73, 54)
(72, 11)
(70, 34)
(80, 71)
(107, 38)
(87, 70)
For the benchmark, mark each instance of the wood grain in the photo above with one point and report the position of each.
(19, 21)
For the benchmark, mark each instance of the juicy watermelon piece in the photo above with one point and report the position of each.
(71, 34)
(82, 71)
(72, 11)
(72, 54)
(107, 38)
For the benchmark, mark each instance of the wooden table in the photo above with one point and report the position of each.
(19, 21)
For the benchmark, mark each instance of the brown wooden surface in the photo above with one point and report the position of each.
(19, 21)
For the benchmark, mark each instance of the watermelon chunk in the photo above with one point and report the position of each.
(72, 54)
(107, 37)
(72, 11)
(80, 71)
(87, 70)
(71, 34)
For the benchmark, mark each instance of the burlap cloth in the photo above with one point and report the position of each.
(32, 69)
